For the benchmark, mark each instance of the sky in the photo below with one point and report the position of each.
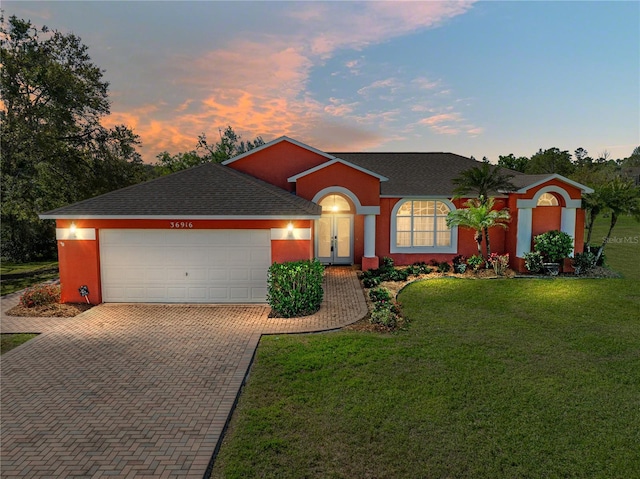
(473, 78)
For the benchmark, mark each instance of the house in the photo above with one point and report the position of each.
(209, 233)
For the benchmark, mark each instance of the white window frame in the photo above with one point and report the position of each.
(394, 248)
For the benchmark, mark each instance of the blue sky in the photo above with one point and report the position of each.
(473, 78)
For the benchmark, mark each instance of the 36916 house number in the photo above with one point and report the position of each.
(180, 224)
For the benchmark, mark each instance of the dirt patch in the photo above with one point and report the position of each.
(67, 310)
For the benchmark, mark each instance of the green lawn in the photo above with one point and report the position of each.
(502, 378)
(29, 274)
(623, 250)
(10, 341)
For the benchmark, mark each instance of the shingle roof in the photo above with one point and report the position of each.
(416, 174)
(206, 190)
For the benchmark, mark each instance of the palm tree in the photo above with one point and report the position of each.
(619, 197)
(593, 205)
(479, 216)
(482, 180)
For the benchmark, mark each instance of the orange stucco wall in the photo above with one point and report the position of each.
(545, 218)
(364, 186)
(79, 263)
(466, 242)
(279, 162)
(291, 250)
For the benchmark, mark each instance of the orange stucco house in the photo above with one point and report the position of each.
(208, 234)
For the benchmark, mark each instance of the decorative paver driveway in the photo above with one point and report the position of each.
(139, 390)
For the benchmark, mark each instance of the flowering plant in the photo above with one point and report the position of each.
(499, 262)
(40, 295)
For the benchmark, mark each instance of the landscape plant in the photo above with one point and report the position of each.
(533, 261)
(554, 246)
(499, 262)
(475, 262)
(295, 288)
(40, 295)
(479, 215)
(584, 262)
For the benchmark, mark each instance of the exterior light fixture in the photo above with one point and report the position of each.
(290, 227)
(72, 230)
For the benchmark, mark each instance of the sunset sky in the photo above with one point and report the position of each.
(473, 78)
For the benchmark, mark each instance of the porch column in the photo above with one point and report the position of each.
(369, 260)
(523, 244)
(568, 223)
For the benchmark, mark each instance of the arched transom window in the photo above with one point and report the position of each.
(547, 199)
(422, 223)
(335, 204)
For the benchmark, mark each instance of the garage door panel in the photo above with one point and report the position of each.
(184, 265)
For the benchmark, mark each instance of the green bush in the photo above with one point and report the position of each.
(380, 294)
(533, 261)
(370, 282)
(444, 267)
(475, 262)
(584, 262)
(40, 295)
(384, 316)
(554, 246)
(295, 288)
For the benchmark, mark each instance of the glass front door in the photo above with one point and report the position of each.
(334, 233)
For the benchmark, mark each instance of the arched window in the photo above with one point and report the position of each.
(335, 204)
(547, 199)
(421, 226)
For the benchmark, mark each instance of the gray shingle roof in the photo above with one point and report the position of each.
(416, 174)
(205, 190)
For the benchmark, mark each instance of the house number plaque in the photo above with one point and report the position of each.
(180, 224)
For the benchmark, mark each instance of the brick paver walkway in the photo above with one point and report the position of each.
(139, 390)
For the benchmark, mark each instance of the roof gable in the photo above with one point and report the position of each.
(275, 142)
(206, 191)
(526, 182)
(333, 162)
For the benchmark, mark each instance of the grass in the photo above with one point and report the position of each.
(17, 276)
(623, 250)
(11, 341)
(502, 378)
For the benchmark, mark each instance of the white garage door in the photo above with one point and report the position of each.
(184, 266)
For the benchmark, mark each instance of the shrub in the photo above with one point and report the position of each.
(499, 262)
(384, 316)
(380, 294)
(554, 246)
(40, 295)
(459, 264)
(422, 267)
(533, 261)
(475, 262)
(584, 262)
(295, 288)
(371, 282)
(444, 267)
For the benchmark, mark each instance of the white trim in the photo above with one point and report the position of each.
(568, 224)
(533, 203)
(369, 236)
(555, 176)
(177, 217)
(275, 142)
(523, 238)
(452, 248)
(360, 210)
(295, 234)
(78, 234)
(333, 162)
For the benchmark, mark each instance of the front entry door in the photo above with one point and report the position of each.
(334, 239)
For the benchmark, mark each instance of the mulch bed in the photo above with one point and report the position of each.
(55, 310)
